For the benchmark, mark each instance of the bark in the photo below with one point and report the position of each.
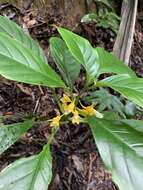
(140, 10)
(123, 44)
(141, 6)
(72, 10)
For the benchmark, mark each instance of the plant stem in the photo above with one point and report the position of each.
(54, 131)
(57, 100)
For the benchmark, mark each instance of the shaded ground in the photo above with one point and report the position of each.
(76, 162)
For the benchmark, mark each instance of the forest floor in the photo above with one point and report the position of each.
(76, 161)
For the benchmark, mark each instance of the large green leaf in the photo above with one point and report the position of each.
(19, 63)
(129, 87)
(9, 134)
(82, 51)
(121, 149)
(136, 124)
(33, 173)
(67, 64)
(13, 30)
(109, 63)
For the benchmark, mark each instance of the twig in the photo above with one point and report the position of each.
(92, 159)
(36, 105)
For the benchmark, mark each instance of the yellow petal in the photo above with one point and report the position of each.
(65, 108)
(75, 118)
(89, 110)
(56, 121)
(69, 108)
(65, 99)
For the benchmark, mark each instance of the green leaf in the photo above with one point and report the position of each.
(130, 108)
(20, 64)
(13, 30)
(33, 173)
(91, 17)
(82, 51)
(9, 134)
(136, 124)
(67, 64)
(109, 63)
(131, 88)
(109, 20)
(120, 147)
(110, 115)
(107, 101)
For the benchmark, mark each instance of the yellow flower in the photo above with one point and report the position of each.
(67, 104)
(69, 108)
(75, 118)
(65, 99)
(56, 121)
(89, 110)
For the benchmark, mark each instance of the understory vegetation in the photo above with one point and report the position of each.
(106, 102)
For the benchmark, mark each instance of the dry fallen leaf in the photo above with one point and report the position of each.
(24, 89)
(77, 163)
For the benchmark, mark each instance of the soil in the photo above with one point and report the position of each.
(76, 161)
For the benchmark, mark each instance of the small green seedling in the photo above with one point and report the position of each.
(104, 16)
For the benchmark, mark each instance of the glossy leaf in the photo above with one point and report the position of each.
(9, 134)
(111, 115)
(82, 51)
(19, 63)
(136, 124)
(109, 63)
(67, 64)
(31, 173)
(131, 88)
(121, 149)
(13, 30)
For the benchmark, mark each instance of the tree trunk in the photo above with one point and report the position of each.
(72, 10)
(140, 11)
(123, 44)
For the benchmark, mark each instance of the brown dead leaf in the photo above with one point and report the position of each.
(31, 23)
(77, 163)
(25, 89)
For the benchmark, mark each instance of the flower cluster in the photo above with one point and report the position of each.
(69, 107)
